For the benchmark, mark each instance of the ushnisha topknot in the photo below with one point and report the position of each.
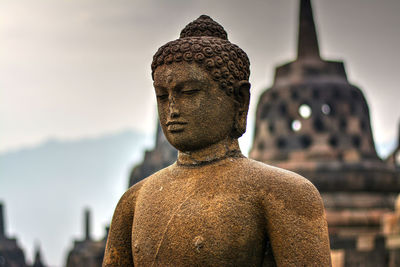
(206, 43)
(204, 26)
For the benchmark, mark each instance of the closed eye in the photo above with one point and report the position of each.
(162, 96)
(190, 91)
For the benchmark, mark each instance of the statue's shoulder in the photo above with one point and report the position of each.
(277, 184)
(270, 175)
(156, 178)
(129, 197)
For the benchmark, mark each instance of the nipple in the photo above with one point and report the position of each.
(198, 242)
(136, 247)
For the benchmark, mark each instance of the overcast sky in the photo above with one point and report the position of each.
(70, 69)
(73, 69)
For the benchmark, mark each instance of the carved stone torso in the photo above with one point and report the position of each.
(210, 215)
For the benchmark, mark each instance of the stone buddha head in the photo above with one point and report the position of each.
(202, 86)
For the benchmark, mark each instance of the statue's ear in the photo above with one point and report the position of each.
(243, 95)
(243, 99)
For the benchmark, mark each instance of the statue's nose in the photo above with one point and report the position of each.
(173, 108)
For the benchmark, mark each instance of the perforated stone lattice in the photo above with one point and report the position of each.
(321, 120)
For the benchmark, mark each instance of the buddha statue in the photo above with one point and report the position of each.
(213, 206)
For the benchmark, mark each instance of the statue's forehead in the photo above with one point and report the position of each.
(179, 72)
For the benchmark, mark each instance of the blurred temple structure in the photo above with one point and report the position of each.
(314, 122)
(394, 158)
(37, 262)
(87, 252)
(11, 254)
(160, 157)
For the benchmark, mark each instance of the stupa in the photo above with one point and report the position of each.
(87, 252)
(154, 160)
(10, 253)
(314, 122)
(38, 261)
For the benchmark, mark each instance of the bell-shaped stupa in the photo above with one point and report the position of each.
(312, 113)
(314, 122)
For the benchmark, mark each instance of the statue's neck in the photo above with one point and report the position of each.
(227, 148)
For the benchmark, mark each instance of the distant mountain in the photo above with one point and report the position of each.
(46, 188)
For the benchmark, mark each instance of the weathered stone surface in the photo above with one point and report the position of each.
(213, 206)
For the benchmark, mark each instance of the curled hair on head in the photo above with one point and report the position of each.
(206, 43)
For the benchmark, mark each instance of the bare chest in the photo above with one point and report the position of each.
(198, 222)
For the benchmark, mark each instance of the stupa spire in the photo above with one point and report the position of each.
(38, 257)
(398, 137)
(87, 225)
(2, 228)
(307, 39)
(159, 135)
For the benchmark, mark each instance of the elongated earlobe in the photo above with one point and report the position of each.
(242, 97)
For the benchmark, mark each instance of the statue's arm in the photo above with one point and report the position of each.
(118, 249)
(296, 223)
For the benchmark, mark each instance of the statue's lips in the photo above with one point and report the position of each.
(175, 126)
